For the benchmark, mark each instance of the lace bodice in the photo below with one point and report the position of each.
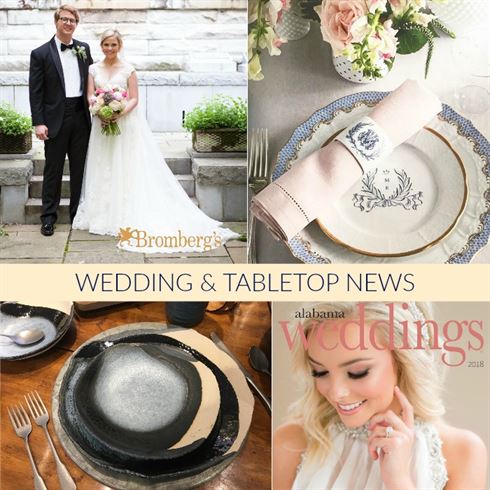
(102, 77)
(349, 466)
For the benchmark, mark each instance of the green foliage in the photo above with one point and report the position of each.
(415, 37)
(220, 111)
(3, 232)
(13, 123)
(410, 40)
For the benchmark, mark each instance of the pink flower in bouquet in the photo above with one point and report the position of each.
(108, 103)
(336, 19)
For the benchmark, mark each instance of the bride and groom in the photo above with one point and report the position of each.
(119, 185)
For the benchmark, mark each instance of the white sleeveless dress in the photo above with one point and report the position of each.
(348, 466)
(127, 185)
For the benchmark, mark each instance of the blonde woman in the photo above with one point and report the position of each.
(128, 189)
(372, 418)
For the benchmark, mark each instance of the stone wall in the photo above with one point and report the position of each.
(183, 50)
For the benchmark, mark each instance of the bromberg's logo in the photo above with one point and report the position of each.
(142, 239)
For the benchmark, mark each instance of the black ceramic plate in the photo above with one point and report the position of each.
(140, 401)
(213, 451)
(15, 317)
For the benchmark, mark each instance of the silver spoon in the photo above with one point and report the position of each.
(26, 337)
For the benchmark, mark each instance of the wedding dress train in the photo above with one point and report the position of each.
(130, 192)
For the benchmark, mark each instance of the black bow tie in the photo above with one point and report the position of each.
(67, 46)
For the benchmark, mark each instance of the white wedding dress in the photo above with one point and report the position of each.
(128, 186)
(348, 466)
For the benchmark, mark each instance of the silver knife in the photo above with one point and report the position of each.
(263, 398)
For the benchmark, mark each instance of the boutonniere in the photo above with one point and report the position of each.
(80, 52)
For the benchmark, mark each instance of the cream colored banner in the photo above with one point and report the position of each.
(272, 282)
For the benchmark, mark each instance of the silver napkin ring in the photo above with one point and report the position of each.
(367, 141)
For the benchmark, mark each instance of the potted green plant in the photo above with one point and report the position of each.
(15, 131)
(218, 124)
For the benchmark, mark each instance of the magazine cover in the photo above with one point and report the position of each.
(380, 396)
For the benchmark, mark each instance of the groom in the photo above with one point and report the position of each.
(58, 76)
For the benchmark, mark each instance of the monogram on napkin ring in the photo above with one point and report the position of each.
(367, 141)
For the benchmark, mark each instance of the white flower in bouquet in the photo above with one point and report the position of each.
(360, 29)
(376, 5)
(422, 19)
(263, 18)
(95, 108)
(275, 8)
(385, 40)
(116, 106)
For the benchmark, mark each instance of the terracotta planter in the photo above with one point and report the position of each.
(219, 140)
(15, 144)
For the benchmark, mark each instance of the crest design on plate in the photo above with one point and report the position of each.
(371, 196)
(365, 140)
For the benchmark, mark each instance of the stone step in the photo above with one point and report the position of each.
(33, 211)
(36, 183)
(178, 165)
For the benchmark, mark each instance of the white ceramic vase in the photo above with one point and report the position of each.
(345, 69)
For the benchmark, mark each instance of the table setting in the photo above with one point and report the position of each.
(133, 401)
(425, 197)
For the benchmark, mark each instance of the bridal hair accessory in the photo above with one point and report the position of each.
(389, 432)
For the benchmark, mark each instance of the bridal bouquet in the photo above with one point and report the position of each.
(106, 103)
(369, 33)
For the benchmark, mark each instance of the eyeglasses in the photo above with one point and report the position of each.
(68, 20)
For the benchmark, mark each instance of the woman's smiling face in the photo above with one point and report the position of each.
(357, 383)
(110, 47)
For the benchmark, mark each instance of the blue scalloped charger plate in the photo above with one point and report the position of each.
(468, 231)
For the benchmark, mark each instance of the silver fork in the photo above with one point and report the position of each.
(22, 426)
(258, 178)
(41, 417)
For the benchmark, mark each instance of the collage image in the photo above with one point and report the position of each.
(145, 138)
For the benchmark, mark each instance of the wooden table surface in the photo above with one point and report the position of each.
(239, 329)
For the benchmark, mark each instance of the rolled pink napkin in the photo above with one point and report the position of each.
(294, 200)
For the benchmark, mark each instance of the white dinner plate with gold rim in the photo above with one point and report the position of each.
(455, 224)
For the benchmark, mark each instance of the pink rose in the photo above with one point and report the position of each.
(336, 18)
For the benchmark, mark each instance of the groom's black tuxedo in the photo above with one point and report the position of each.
(67, 120)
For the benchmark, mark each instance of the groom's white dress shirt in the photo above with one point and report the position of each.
(71, 73)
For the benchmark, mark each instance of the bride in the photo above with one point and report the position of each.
(370, 417)
(128, 190)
